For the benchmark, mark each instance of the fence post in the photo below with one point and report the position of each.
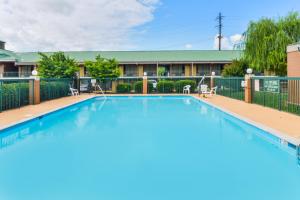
(31, 91)
(114, 86)
(145, 84)
(36, 91)
(248, 89)
(212, 82)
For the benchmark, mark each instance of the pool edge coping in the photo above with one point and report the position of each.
(279, 134)
(20, 122)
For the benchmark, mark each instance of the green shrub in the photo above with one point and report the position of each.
(13, 95)
(180, 84)
(165, 86)
(236, 68)
(138, 87)
(123, 88)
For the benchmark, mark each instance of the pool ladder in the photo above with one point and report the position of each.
(199, 84)
(100, 89)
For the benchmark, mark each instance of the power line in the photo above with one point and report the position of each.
(219, 19)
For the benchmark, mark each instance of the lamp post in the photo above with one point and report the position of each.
(248, 85)
(212, 83)
(34, 88)
(34, 72)
(249, 71)
(145, 83)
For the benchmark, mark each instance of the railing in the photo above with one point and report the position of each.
(230, 87)
(15, 74)
(54, 88)
(281, 93)
(14, 93)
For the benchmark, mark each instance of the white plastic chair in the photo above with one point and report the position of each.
(74, 92)
(213, 90)
(187, 89)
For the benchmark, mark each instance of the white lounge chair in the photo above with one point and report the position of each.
(74, 92)
(205, 90)
(187, 89)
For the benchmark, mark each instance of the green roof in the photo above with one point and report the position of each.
(6, 55)
(141, 56)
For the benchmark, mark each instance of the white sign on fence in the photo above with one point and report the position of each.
(256, 85)
(271, 85)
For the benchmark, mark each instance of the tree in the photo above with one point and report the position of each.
(103, 68)
(161, 71)
(236, 68)
(266, 41)
(57, 65)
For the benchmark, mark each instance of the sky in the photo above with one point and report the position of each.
(73, 25)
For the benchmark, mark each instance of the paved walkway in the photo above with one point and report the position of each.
(282, 122)
(20, 114)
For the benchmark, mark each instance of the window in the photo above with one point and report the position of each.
(130, 70)
(177, 70)
(217, 69)
(203, 69)
(150, 69)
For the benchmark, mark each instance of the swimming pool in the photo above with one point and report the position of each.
(133, 148)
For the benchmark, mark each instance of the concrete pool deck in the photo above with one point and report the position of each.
(284, 125)
(10, 117)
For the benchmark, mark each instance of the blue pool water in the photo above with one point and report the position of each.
(144, 148)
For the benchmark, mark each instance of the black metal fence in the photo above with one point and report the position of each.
(156, 85)
(281, 93)
(55, 88)
(232, 87)
(14, 93)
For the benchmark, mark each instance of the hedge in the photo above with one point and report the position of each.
(138, 87)
(124, 88)
(13, 95)
(165, 86)
(179, 85)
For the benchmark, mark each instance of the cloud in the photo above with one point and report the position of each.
(33, 25)
(188, 46)
(228, 42)
(234, 39)
(225, 43)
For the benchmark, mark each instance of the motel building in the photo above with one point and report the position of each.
(179, 63)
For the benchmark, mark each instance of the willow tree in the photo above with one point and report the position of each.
(266, 41)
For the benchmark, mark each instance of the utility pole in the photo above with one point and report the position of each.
(219, 19)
